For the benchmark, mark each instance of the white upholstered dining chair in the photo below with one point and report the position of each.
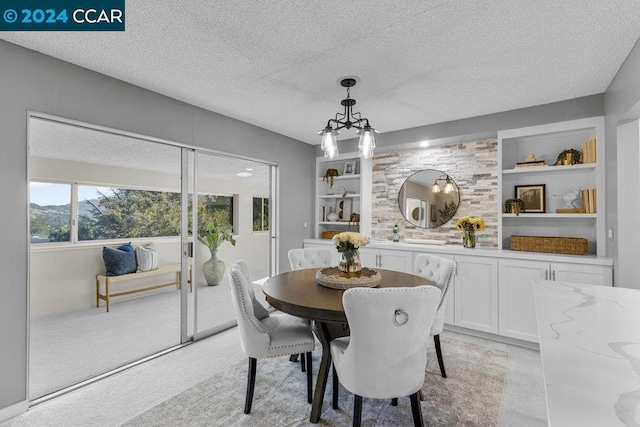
(263, 335)
(440, 271)
(301, 258)
(386, 354)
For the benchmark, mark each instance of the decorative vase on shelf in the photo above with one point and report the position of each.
(213, 269)
(350, 262)
(469, 238)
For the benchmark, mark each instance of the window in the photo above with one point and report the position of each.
(104, 213)
(260, 214)
(49, 212)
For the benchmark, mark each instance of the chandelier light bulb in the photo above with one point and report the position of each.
(435, 188)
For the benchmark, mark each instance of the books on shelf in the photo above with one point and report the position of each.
(589, 200)
(537, 163)
(589, 151)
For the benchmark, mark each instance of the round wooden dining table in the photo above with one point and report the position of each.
(299, 294)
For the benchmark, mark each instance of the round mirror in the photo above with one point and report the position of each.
(429, 198)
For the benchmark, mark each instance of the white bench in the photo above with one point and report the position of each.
(108, 280)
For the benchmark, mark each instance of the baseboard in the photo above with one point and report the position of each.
(13, 410)
(493, 337)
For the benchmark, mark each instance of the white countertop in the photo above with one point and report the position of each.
(479, 251)
(590, 349)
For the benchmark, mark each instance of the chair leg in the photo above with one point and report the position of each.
(394, 401)
(309, 378)
(336, 383)
(436, 340)
(302, 364)
(416, 410)
(357, 411)
(251, 382)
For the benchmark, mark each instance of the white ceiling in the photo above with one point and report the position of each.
(276, 63)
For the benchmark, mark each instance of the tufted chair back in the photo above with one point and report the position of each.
(386, 353)
(439, 270)
(302, 258)
(254, 337)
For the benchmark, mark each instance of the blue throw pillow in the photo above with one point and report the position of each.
(119, 261)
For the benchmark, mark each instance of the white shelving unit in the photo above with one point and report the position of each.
(352, 190)
(546, 142)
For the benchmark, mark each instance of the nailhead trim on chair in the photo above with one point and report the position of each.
(244, 306)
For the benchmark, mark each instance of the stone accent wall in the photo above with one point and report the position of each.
(472, 165)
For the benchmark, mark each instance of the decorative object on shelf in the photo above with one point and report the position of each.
(213, 238)
(349, 167)
(513, 206)
(569, 201)
(329, 175)
(590, 200)
(354, 219)
(333, 278)
(530, 161)
(347, 120)
(347, 244)
(589, 151)
(570, 156)
(420, 205)
(469, 225)
(533, 197)
(344, 208)
(333, 217)
(328, 234)
(556, 245)
(396, 233)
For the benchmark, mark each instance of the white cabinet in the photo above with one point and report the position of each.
(476, 293)
(345, 194)
(546, 142)
(386, 259)
(517, 318)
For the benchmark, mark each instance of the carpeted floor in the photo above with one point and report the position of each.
(470, 396)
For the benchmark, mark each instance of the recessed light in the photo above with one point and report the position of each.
(244, 174)
(249, 169)
(424, 143)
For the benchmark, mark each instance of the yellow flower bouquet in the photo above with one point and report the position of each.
(469, 225)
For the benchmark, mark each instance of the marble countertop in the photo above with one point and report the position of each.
(590, 349)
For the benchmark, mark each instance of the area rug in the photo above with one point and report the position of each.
(471, 395)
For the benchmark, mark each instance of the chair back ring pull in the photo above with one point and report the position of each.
(400, 317)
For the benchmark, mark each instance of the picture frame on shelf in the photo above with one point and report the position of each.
(533, 196)
(349, 167)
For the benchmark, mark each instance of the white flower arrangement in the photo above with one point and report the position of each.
(348, 241)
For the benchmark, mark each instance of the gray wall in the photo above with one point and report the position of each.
(32, 81)
(622, 104)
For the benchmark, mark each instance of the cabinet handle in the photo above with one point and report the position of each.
(380, 263)
(546, 275)
(554, 275)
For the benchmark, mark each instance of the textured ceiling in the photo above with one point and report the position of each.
(67, 142)
(275, 63)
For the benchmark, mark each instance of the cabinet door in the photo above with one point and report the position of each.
(476, 293)
(369, 257)
(395, 260)
(517, 318)
(580, 273)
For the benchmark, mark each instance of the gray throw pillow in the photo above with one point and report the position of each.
(147, 257)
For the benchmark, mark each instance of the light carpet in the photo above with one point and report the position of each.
(470, 396)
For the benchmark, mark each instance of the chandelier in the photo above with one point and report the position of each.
(448, 185)
(348, 119)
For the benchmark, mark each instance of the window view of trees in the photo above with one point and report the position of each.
(260, 214)
(118, 213)
(50, 211)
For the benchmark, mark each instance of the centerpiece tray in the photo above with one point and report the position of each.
(330, 277)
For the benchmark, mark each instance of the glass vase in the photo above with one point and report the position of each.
(350, 262)
(469, 239)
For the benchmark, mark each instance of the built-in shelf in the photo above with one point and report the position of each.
(548, 215)
(547, 169)
(342, 177)
(338, 196)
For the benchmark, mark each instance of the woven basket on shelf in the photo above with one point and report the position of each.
(555, 245)
(328, 234)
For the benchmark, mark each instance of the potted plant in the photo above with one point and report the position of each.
(514, 206)
(213, 237)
